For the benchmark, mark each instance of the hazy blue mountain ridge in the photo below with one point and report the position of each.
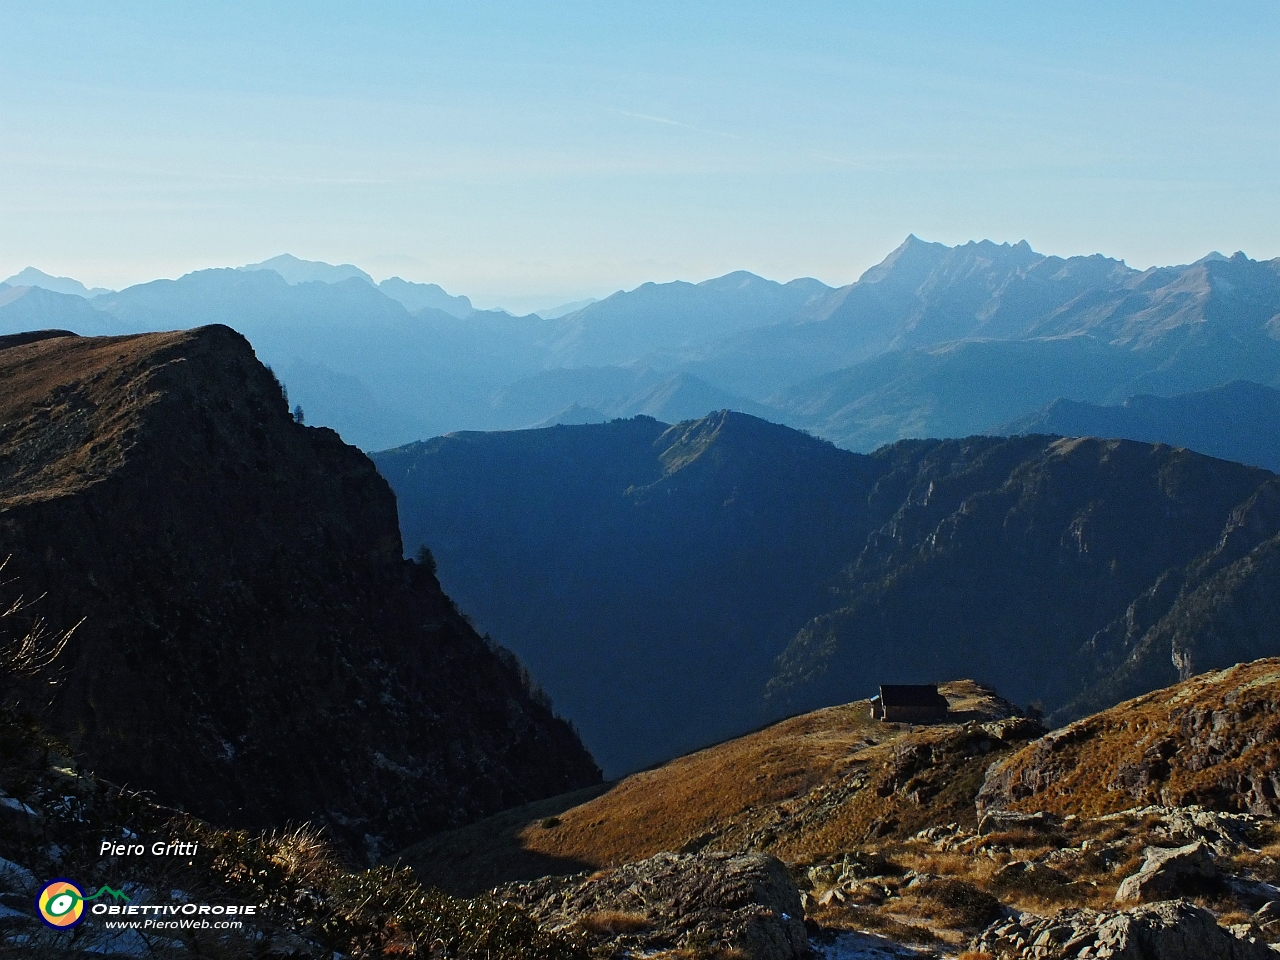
(934, 340)
(419, 296)
(309, 271)
(554, 313)
(613, 392)
(31, 277)
(954, 390)
(35, 308)
(424, 371)
(1237, 421)
(668, 316)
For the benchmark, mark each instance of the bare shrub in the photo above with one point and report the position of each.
(28, 648)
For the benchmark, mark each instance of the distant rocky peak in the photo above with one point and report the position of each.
(909, 264)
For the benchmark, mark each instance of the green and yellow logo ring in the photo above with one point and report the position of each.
(60, 904)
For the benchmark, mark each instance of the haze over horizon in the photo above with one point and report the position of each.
(519, 305)
(527, 157)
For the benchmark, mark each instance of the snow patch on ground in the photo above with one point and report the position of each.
(868, 946)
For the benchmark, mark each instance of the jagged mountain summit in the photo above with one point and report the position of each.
(254, 648)
(675, 585)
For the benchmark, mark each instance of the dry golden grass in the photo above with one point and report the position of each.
(1087, 771)
(806, 789)
(76, 382)
(613, 922)
(862, 918)
(722, 790)
(955, 904)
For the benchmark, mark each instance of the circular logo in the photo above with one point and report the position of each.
(61, 904)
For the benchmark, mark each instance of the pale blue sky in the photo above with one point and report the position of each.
(523, 153)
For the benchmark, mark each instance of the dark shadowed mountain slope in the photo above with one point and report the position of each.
(647, 574)
(1237, 421)
(1220, 609)
(254, 647)
(1014, 558)
(656, 579)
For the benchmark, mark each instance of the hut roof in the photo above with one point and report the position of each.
(911, 695)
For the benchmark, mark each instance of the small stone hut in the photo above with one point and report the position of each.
(909, 703)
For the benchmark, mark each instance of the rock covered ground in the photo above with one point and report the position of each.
(308, 904)
(924, 841)
(1134, 884)
(1147, 882)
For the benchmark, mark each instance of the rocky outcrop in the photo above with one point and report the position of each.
(1212, 741)
(254, 648)
(1171, 930)
(1168, 872)
(998, 821)
(742, 902)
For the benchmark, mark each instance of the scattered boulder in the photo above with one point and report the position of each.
(850, 868)
(1003, 821)
(709, 900)
(1171, 930)
(1028, 872)
(1225, 833)
(1253, 894)
(1168, 872)
(1013, 728)
(1267, 919)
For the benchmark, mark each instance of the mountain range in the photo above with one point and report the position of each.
(933, 341)
(673, 585)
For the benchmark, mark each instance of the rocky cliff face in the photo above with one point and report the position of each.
(254, 648)
(1212, 741)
